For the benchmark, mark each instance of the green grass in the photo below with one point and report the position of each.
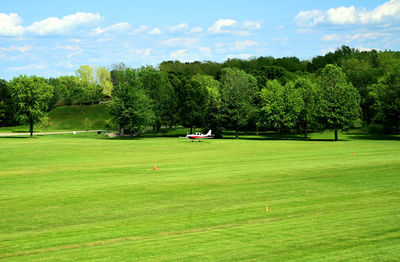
(90, 198)
(70, 118)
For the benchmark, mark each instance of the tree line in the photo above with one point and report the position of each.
(344, 89)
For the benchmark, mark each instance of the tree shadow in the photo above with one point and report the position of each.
(282, 138)
(374, 137)
(24, 137)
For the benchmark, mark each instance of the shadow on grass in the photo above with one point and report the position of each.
(374, 137)
(2, 137)
(277, 138)
(262, 136)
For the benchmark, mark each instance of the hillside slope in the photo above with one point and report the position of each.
(73, 117)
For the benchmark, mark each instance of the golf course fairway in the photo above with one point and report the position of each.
(91, 198)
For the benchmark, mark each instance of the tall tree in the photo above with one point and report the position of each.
(339, 104)
(32, 95)
(361, 74)
(161, 94)
(386, 94)
(212, 118)
(7, 105)
(86, 73)
(309, 96)
(281, 106)
(131, 107)
(103, 79)
(193, 103)
(238, 94)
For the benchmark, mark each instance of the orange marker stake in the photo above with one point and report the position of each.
(155, 168)
(266, 208)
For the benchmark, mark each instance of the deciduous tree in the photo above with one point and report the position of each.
(281, 106)
(238, 94)
(339, 103)
(131, 108)
(32, 96)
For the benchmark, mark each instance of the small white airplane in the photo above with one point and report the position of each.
(199, 135)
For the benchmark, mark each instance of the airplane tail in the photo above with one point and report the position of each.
(209, 133)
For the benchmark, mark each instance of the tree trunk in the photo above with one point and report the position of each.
(191, 128)
(336, 135)
(305, 130)
(236, 134)
(31, 127)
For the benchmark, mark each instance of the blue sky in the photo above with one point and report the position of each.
(53, 38)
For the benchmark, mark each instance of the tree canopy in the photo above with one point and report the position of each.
(32, 96)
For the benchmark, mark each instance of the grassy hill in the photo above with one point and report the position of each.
(91, 198)
(70, 118)
(73, 117)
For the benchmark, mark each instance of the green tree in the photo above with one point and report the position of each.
(161, 93)
(361, 74)
(339, 103)
(212, 118)
(86, 73)
(131, 108)
(309, 96)
(89, 94)
(238, 95)
(386, 94)
(32, 95)
(193, 103)
(103, 78)
(7, 105)
(67, 89)
(281, 106)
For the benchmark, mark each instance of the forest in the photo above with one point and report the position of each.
(341, 90)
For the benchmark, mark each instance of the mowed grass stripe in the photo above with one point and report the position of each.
(206, 202)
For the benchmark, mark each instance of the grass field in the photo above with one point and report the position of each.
(90, 198)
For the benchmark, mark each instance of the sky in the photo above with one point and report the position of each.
(53, 38)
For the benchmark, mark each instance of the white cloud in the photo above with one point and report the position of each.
(332, 37)
(367, 49)
(75, 40)
(354, 37)
(218, 26)
(67, 24)
(241, 56)
(140, 29)
(252, 24)
(181, 41)
(239, 45)
(179, 28)
(10, 25)
(196, 29)
(68, 47)
(179, 53)
(304, 30)
(74, 50)
(389, 12)
(155, 31)
(184, 56)
(120, 27)
(366, 36)
(21, 49)
(141, 52)
(327, 50)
